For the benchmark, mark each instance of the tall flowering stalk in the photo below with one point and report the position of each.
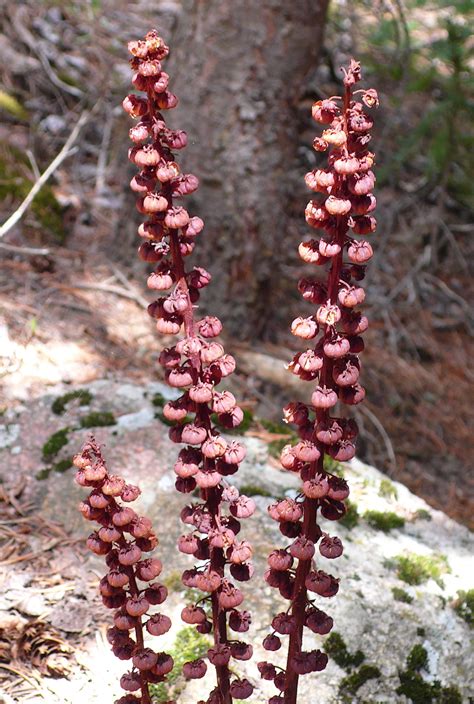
(195, 365)
(332, 363)
(127, 587)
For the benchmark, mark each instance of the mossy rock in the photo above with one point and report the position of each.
(351, 517)
(98, 419)
(417, 569)
(336, 648)
(55, 443)
(82, 395)
(188, 645)
(384, 520)
(464, 606)
(352, 683)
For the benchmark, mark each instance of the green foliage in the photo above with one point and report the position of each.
(401, 595)
(15, 184)
(418, 658)
(436, 67)
(98, 419)
(158, 400)
(254, 490)
(54, 443)
(336, 648)
(417, 569)
(384, 521)
(60, 467)
(188, 645)
(416, 689)
(464, 606)
(352, 683)
(387, 489)
(351, 516)
(423, 515)
(10, 104)
(82, 395)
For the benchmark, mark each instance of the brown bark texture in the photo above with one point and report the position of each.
(240, 69)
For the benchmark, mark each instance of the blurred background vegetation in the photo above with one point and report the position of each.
(70, 276)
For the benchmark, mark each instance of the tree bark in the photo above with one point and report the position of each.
(239, 69)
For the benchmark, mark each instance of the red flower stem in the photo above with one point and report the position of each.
(219, 619)
(310, 506)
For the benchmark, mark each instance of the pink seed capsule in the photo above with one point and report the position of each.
(194, 670)
(158, 624)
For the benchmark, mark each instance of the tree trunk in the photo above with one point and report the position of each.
(239, 69)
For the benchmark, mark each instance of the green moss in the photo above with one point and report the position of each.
(333, 466)
(59, 404)
(173, 582)
(420, 631)
(417, 569)
(43, 474)
(54, 443)
(336, 648)
(98, 419)
(247, 421)
(387, 489)
(423, 515)
(351, 517)
(158, 400)
(416, 689)
(276, 426)
(384, 520)
(418, 658)
(14, 185)
(401, 595)
(61, 466)
(254, 490)
(464, 606)
(188, 645)
(352, 683)
(413, 686)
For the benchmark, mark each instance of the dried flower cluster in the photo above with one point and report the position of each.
(332, 363)
(128, 586)
(195, 365)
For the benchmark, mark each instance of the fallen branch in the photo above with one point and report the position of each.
(39, 183)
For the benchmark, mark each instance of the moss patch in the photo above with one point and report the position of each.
(416, 689)
(336, 648)
(54, 443)
(351, 516)
(423, 515)
(418, 658)
(384, 520)
(188, 645)
(98, 419)
(401, 595)
(82, 395)
(60, 467)
(464, 606)
(387, 489)
(254, 490)
(158, 400)
(352, 683)
(417, 569)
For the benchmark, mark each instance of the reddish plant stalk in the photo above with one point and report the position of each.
(334, 364)
(195, 365)
(122, 538)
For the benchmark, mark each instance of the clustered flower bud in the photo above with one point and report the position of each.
(341, 212)
(129, 587)
(195, 365)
